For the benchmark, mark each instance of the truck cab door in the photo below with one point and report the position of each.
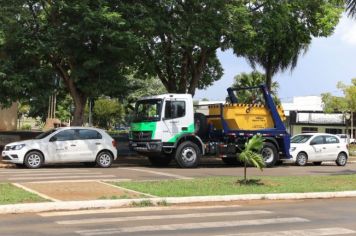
(175, 119)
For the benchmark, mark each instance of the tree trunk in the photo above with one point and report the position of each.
(269, 78)
(79, 107)
(245, 173)
(79, 98)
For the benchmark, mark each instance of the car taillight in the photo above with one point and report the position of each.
(114, 143)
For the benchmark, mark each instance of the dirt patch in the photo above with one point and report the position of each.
(77, 191)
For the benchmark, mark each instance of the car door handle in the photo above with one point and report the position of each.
(324, 147)
(98, 143)
(73, 145)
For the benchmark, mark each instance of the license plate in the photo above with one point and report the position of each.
(134, 144)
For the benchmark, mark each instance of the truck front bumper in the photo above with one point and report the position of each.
(146, 146)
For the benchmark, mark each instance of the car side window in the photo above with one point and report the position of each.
(89, 134)
(65, 135)
(331, 140)
(317, 140)
(174, 109)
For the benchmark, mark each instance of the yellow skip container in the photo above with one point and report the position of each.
(243, 116)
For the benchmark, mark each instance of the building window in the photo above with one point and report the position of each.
(333, 131)
(309, 130)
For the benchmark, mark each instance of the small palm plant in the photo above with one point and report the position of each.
(251, 154)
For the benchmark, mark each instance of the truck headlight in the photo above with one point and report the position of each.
(17, 147)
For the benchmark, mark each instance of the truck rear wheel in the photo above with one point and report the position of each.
(160, 160)
(188, 155)
(269, 154)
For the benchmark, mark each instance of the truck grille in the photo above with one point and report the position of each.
(142, 135)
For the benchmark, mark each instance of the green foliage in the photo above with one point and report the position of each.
(107, 112)
(253, 79)
(179, 40)
(351, 7)
(251, 154)
(280, 31)
(26, 127)
(86, 45)
(341, 104)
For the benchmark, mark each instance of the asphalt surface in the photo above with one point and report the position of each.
(136, 168)
(303, 217)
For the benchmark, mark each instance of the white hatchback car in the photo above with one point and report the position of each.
(318, 147)
(63, 145)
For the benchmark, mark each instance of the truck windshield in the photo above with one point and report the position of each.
(148, 110)
(300, 138)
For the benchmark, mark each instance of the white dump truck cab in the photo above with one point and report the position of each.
(160, 124)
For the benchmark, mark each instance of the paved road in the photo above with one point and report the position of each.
(308, 217)
(134, 168)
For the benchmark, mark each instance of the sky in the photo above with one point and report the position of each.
(327, 61)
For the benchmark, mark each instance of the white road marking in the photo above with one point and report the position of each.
(126, 189)
(62, 177)
(159, 217)
(156, 173)
(190, 226)
(33, 171)
(140, 209)
(77, 181)
(35, 192)
(306, 232)
(58, 174)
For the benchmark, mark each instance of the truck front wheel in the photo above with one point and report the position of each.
(269, 154)
(188, 155)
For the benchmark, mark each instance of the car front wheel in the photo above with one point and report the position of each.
(104, 159)
(341, 159)
(302, 159)
(33, 160)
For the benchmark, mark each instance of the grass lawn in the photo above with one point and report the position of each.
(230, 185)
(10, 194)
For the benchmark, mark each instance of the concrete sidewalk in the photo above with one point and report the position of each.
(159, 201)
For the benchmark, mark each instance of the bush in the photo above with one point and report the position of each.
(26, 127)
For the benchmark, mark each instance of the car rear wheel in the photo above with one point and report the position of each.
(302, 159)
(104, 159)
(33, 160)
(341, 159)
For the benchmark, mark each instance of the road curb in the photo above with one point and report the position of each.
(96, 204)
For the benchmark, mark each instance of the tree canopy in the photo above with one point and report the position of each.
(347, 103)
(179, 39)
(253, 79)
(85, 44)
(280, 31)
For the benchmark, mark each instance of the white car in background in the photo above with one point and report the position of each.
(63, 145)
(318, 147)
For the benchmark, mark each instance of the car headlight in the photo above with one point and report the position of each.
(292, 149)
(17, 147)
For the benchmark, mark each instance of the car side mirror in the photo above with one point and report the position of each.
(312, 143)
(53, 139)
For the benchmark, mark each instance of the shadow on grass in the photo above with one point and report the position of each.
(250, 182)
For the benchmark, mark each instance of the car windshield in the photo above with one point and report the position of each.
(148, 110)
(300, 138)
(45, 134)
